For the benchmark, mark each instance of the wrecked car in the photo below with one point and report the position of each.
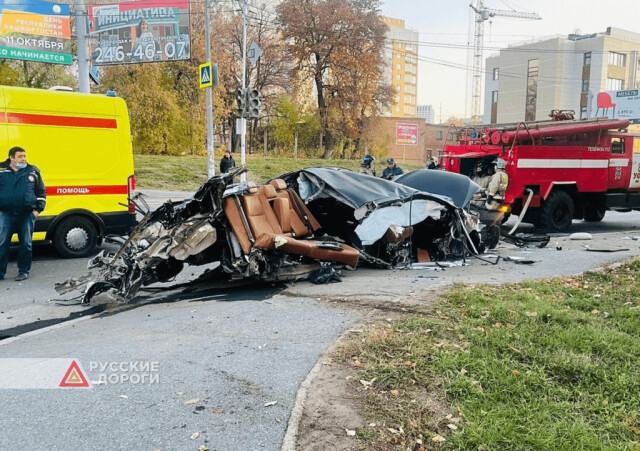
(295, 226)
(390, 224)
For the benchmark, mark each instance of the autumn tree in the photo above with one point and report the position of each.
(338, 44)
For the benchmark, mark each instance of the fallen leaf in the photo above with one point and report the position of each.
(365, 383)
(439, 313)
(515, 349)
(351, 432)
(448, 417)
(192, 401)
(123, 397)
(595, 312)
(628, 303)
(515, 373)
(419, 441)
(597, 296)
(463, 371)
(195, 435)
(271, 403)
(393, 431)
(278, 420)
(180, 393)
(439, 439)
(358, 363)
(605, 402)
(395, 393)
(453, 427)
(217, 410)
(531, 314)
(203, 448)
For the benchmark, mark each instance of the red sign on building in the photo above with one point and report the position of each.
(406, 134)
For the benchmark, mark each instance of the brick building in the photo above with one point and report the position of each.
(413, 141)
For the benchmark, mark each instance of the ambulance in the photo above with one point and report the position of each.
(82, 145)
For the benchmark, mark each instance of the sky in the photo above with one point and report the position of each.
(447, 22)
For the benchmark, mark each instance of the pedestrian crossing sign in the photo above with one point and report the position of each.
(206, 80)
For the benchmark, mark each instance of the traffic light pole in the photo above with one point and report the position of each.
(211, 167)
(243, 136)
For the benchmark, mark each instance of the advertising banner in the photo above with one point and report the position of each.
(35, 31)
(618, 105)
(140, 32)
(406, 134)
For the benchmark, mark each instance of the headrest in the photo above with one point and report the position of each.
(278, 184)
(269, 191)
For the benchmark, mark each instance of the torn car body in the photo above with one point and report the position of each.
(304, 221)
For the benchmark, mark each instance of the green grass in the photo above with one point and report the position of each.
(540, 365)
(188, 173)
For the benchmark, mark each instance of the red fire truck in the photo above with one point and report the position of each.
(558, 170)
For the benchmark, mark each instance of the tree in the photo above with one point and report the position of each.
(338, 44)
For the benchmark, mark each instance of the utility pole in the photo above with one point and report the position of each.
(83, 55)
(243, 137)
(211, 167)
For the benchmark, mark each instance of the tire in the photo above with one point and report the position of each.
(75, 237)
(594, 213)
(556, 214)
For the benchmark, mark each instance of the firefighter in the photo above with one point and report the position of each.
(367, 166)
(497, 185)
(481, 178)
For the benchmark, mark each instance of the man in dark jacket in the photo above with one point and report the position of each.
(22, 199)
(227, 162)
(392, 170)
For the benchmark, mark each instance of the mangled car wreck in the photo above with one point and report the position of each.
(305, 221)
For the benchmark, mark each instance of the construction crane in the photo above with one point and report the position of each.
(483, 13)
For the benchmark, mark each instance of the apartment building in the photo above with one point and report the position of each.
(524, 82)
(401, 53)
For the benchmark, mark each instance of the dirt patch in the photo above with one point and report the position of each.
(333, 402)
(332, 407)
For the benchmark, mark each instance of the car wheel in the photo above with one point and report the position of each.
(556, 213)
(75, 237)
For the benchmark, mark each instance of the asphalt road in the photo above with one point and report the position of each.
(232, 349)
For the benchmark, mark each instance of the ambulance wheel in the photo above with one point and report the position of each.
(556, 213)
(75, 237)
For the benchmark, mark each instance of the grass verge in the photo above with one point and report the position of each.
(188, 173)
(548, 364)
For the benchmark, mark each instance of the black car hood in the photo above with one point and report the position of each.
(457, 187)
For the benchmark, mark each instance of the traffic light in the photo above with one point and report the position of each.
(253, 102)
(241, 98)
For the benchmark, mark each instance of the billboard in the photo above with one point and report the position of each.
(139, 32)
(407, 134)
(35, 31)
(618, 105)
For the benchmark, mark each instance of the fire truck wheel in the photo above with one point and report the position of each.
(594, 214)
(557, 212)
(75, 237)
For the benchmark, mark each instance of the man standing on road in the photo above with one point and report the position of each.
(227, 162)
(391, 171)
(22, 199)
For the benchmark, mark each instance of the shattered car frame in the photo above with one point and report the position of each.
(304, 221)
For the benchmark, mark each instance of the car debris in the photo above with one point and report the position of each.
(302, 224)
(590, 249)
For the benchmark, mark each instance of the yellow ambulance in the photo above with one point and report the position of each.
(82, 145)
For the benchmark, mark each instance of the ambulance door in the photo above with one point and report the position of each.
(634, 181)
(4, 138)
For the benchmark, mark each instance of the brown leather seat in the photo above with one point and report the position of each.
(255, 224)
(298, 210)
